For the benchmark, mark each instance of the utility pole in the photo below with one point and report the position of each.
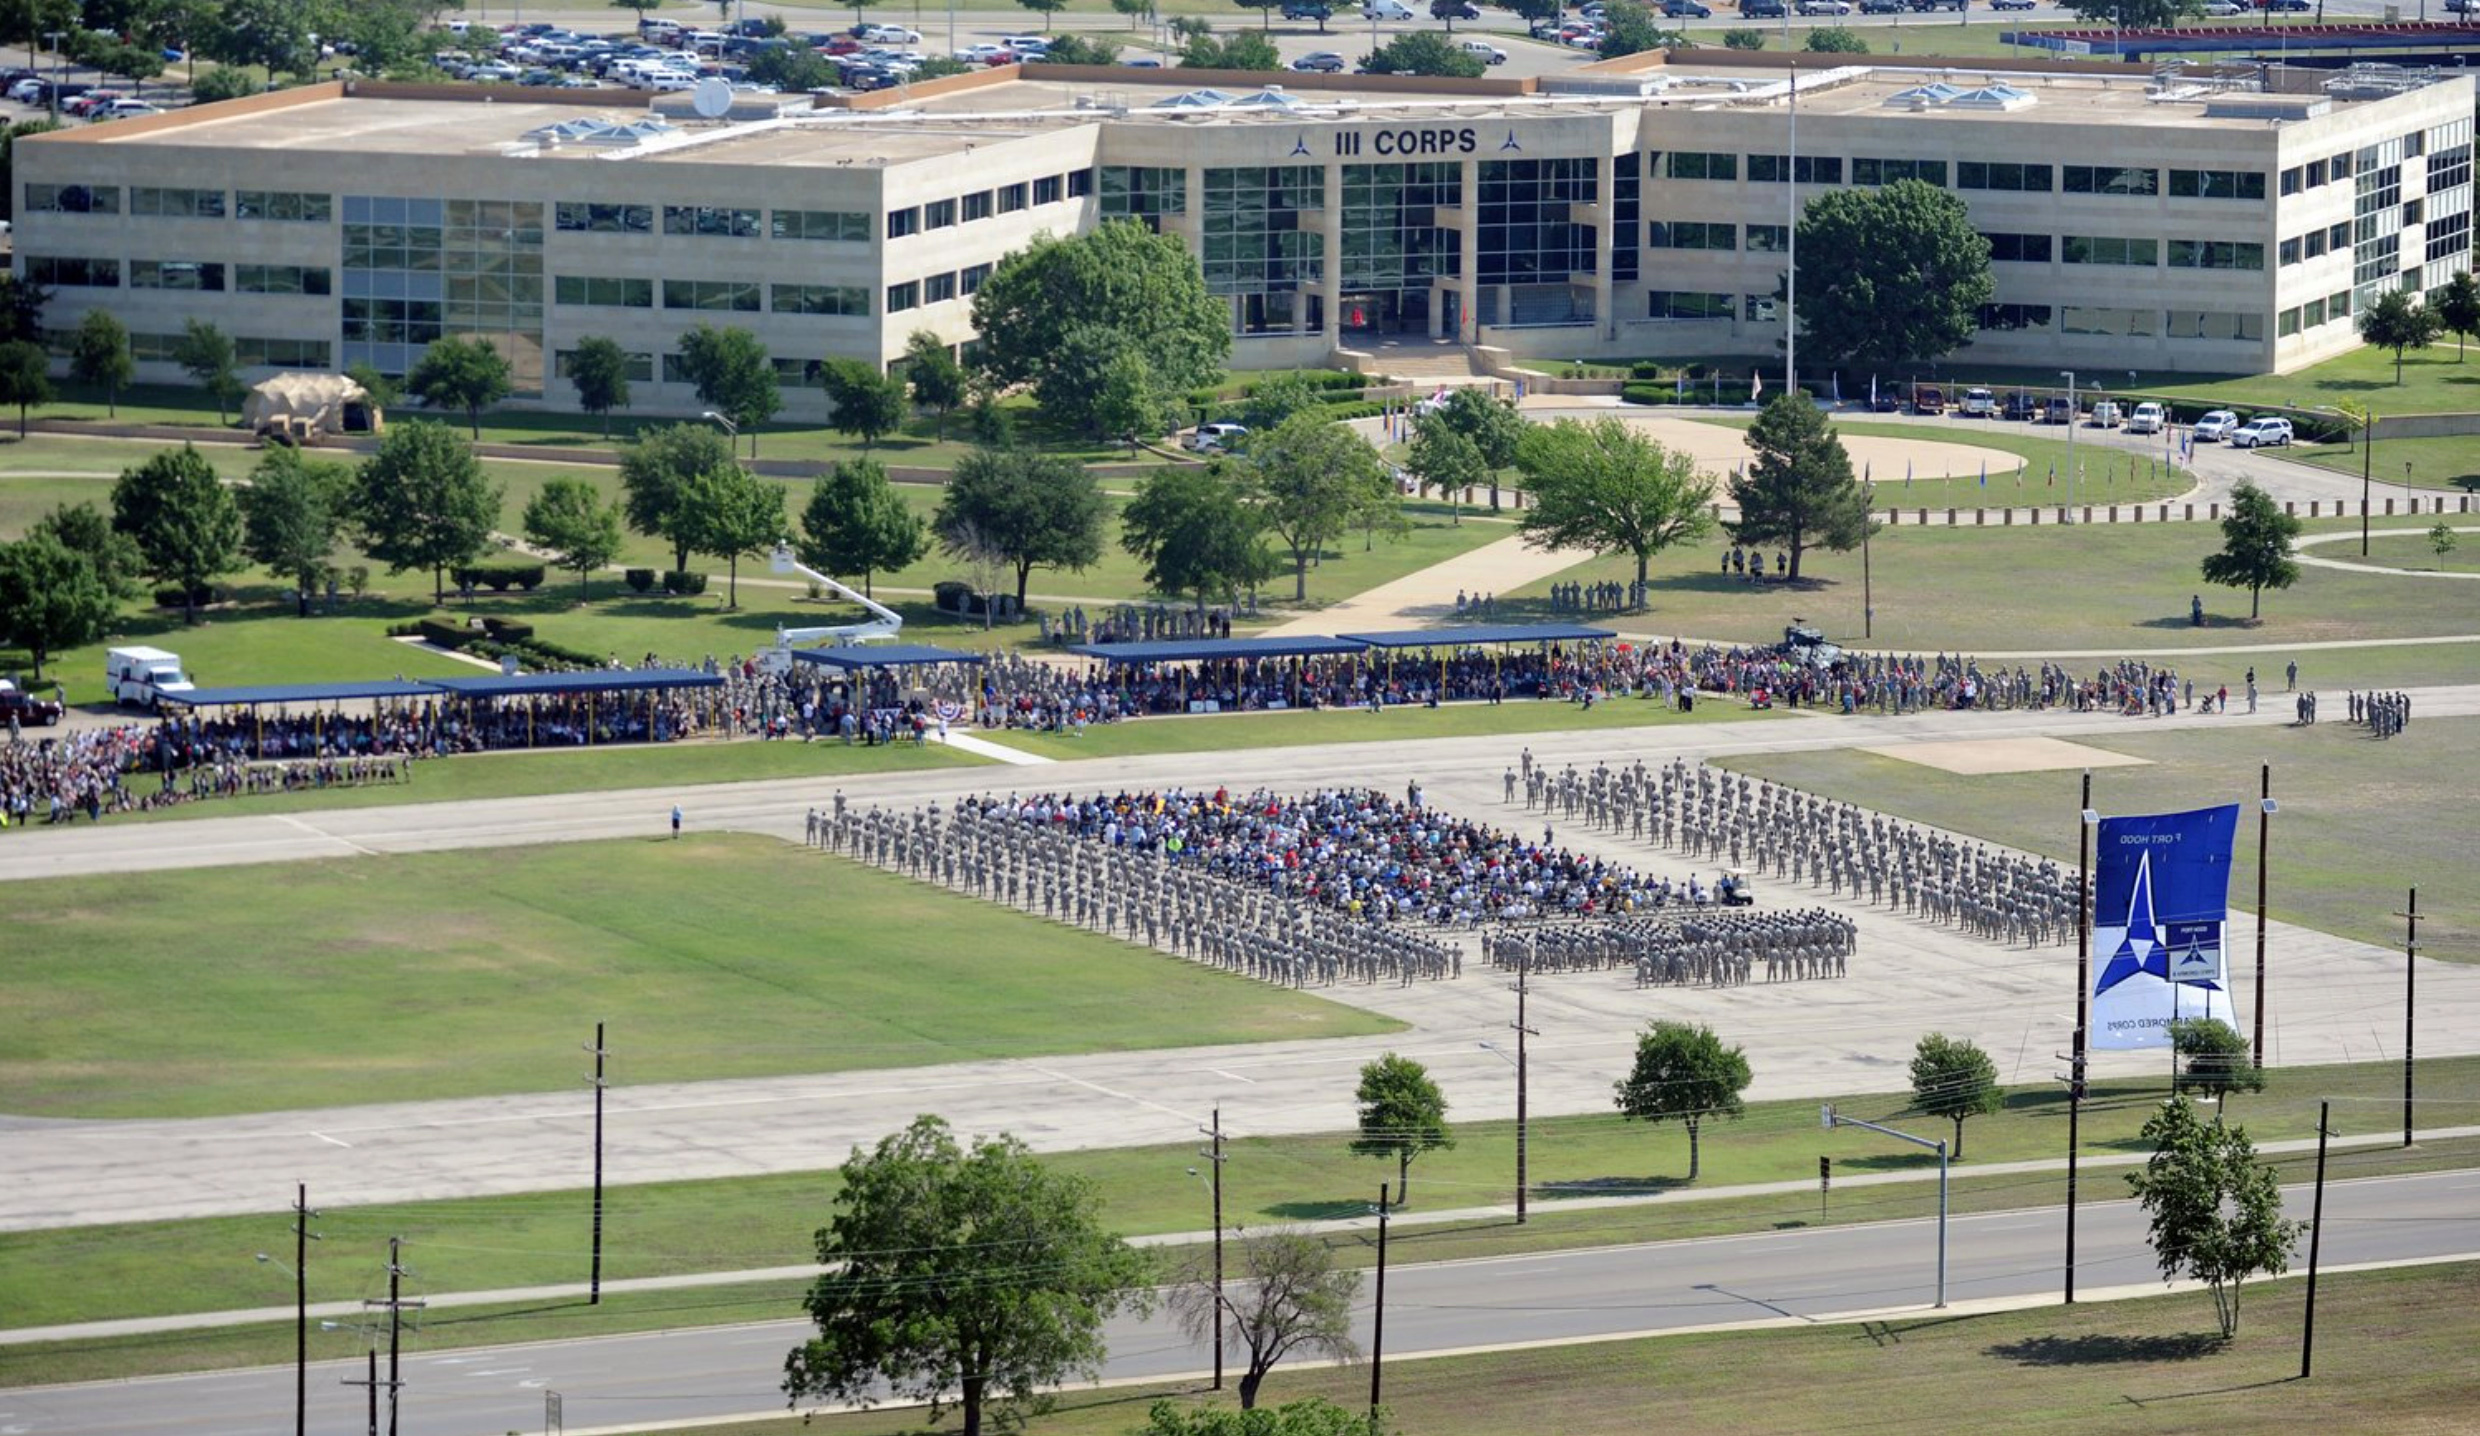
(1833, 1119)
(371, 1381)
(1868, 599)
(2264, 830)
(594, 1281)
(2086, 821)
(2316, 1239)
(1524, 968)
(1214, 1156)
(302, 1238)
(395, 1303)
(1377, 1330)
(2411, 986)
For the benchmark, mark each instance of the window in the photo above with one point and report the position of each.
(676, 370)
(1525, 237)
(1865, 170)
(640, 368)
(73, 199)
(177, 203)
(2109, 249)
(2338, 306)
(939, 214)
(1808, 169)
(2115, 323)
(2010, 318)
(175, 274)
(1143, 192)
(901, 297)
(578, 217)
(1011, 198)
(2289, 253)
(2316, 174)
(2339, 166)
(281, 279)
(2312, 313)
(2449, 167)
(1391, 237)
(1694, 165)
(834, 226)
(938, 287)
(1680, 305)
(1690, 234)
(710, 221)
(969, 280)
(601, 290)
(734, 294)
(2217, 184)
(2449, 235)
(790, 370)
(1080, 183)
(1769, 238)
(2019, 248)
(1046, 190)
(73, 271)
(2108, 179)
(287, 205)
(2208, 324)
(2292, 184)
(1977, 174)
(415, 323)
(256, 353)
(903, 222)
(1253, 242)
(2312, 244)
(977, 205)
(849, 300)
(2214, 254)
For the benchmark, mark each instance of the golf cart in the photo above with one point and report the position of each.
(1731, 889)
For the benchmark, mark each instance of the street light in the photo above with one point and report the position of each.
(2069, 376)
(730, 429)
(1832, 1119)
(52, 38)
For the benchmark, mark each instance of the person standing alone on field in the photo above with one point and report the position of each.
(675, 822)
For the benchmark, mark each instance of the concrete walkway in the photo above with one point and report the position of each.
(1428, 595)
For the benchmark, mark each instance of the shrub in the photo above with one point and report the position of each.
(500, 577)
(170, 595)
(442, 633)
(508, 630)
(639, 579)
(1645, 369)
(683, 583)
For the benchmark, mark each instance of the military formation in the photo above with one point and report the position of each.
(1689, 949)
(2384, 714)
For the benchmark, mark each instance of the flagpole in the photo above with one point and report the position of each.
(2083, 991)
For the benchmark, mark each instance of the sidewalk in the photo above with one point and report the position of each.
(561, 1291)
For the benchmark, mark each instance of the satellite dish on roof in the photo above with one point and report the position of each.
(712, 98)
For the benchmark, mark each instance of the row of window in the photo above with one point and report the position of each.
(1968, 174)
(161, 201)
(2095, 321)
(250, 351)
(2314, 243)
(749, 296)
(982, 204)
(2314, 313)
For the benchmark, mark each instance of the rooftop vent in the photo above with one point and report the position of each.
(600, 130)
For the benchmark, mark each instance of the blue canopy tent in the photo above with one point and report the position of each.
(251, 696)
(1475, 635)
(586, 683)
(1214, 650)
(885, 655)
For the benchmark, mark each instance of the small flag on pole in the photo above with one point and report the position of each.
(1872, 391)
(1756, 385)
(1838, 386)
(1907, 473)
(1984, 473)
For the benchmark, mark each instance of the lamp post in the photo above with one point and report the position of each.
(1833, 1119)
(2086, 821)
(731, 430)
(2069, 376)
(52, 38)
(1377, 1330)
(1791, 211)
(1868, 599)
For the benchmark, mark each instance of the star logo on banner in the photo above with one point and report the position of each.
(2140, 950)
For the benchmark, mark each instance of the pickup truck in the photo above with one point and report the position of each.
(28, 710)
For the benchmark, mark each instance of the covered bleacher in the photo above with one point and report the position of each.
(579, 707)
(885, 655)
(1479, 635)
(1213, 650)
(1482, 661)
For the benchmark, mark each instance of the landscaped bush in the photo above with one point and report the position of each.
(685, 584)
(508, 630)
(500, 577)
(170, 596)
(639, 579)
(1644, 369)
(441, 633)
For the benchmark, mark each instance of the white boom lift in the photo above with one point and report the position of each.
(883, 623)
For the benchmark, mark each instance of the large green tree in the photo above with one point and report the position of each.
(2458, 309)
(1442, 459)
(1130, 290)
(423, 502)
(2216, 1211)
(1287, 1295)
(51, 598)
(1954, 1079)
(1798, 491)
(1889, 276)
(1425, 52)
(1247, 51)
(1027, 510)
(1683, 1074)
(730, 370)
(1402, 1114)
(938, 382)
(657, 469)
(1493, 424)
(2256, 546)
(855, 522)
(867, 402)
(25, 378)
(185, 523)
(731, 513)
(2136, 14)
(1310, 479)
(1608, 488)
(99, 356)
(2213, 1058)
(598, 369)
(1631, 29)
(461, 373)
(570, 520)
(207, 355)
(292, 514)
(1196, 533)
(273, 34)
(2397, 320)
(960, 1275)
(83, 528)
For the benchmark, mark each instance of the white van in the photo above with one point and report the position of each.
(1386, 10)
(2146, 418)
(143, 676)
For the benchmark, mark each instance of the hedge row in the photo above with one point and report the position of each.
(499, 577)
(1668, 393)
(446, 633)
(171, 596)
(642, 580)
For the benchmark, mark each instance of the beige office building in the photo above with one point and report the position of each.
(1629, 209)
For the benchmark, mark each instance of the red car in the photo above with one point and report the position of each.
(28, 710)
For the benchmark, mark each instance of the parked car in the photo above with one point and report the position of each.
(28, 710)
(2105, 414)
(1453, 10)
(1884, 7)
(2224, 9)
(2293, 6)
(886, 35)
(1581, 37)
(2265, 432)
(2146, 418)
(1486, 52)
(1928, 399)
(2011, 4)
(1825, 7)
(1888, 400)
(1761, 9)
(2020, 407)
(1978, 404)
(2058, 411)
(1307, 10)
(1686, 10)
(2216, 425)
(1386, 10)
(1321, 62)
(1210, 437)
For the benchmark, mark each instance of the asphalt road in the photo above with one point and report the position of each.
(712, 1374)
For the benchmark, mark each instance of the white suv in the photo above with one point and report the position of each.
(1211, 437)
(1978, 404)
(2265, 432)
(2145, 418)
(2216, 425)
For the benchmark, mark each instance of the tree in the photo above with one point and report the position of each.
(2458, 309)
(1275, 398)
(2256, 546)
(1265, 10)
(1631, 29)
(1424, 52)
(1128, 404)
(657, 469)
(1308, 479)
(1683, 1074)
(1743, 38)
(1079, 50)
(21, 309)
(1054, 313)
(1954, 1079)
(2213, 1058)
(291, 515)
(1890, 276)
(206, 354)
(1443, 459)
(2216, 1212)
(467, 374)
(423, 502)
(272, 34)
(1032, 510)
(83, 528)
(2397, 320)
(1835, 40)
(937, 380)
(99, 356)
(1402, 1115)
(2441, 540)
(794, 69)
(1606, 487)
(1247, 50)
(223, 83)
(1047, 9)
(1798, 491)
(978, 1272)
(640, 6)
(25, 378)
(51, 598)
(569, 519)
(1287, 1296)
(1493, 424)
(855, 523)
(183, 520)
(727, 512)
(598, 368)
(867, 403)
(383, 391)
(1196, 533)
(2136, 14)
(1311, 1416)
(731, 371)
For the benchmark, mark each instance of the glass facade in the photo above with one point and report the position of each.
(1143, 192)
(416, 270)
(1391, 235)
(1529, 245)
(1259, 250)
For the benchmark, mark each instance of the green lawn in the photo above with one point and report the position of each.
(2452, 464)
(2413, 551)
(465, 974)
(2108, 476)
(2434, 381)
(2114, 588)
(2360, 821)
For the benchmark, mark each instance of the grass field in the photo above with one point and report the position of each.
(2109, 476)
(2413, 552)
(2361, 819)
(461, 974)
(2451, 464)
(2434, 381)
(1359, 725)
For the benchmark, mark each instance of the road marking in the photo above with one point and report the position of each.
(500, 1371)
(1111, 1092)
(322, 1136)
(293, 822)
(1234, 1076)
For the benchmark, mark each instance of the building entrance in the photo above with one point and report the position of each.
(1387, 311)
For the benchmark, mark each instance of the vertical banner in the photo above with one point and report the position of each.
(2161, 902)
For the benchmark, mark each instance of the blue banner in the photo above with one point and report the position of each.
(2161, 902)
